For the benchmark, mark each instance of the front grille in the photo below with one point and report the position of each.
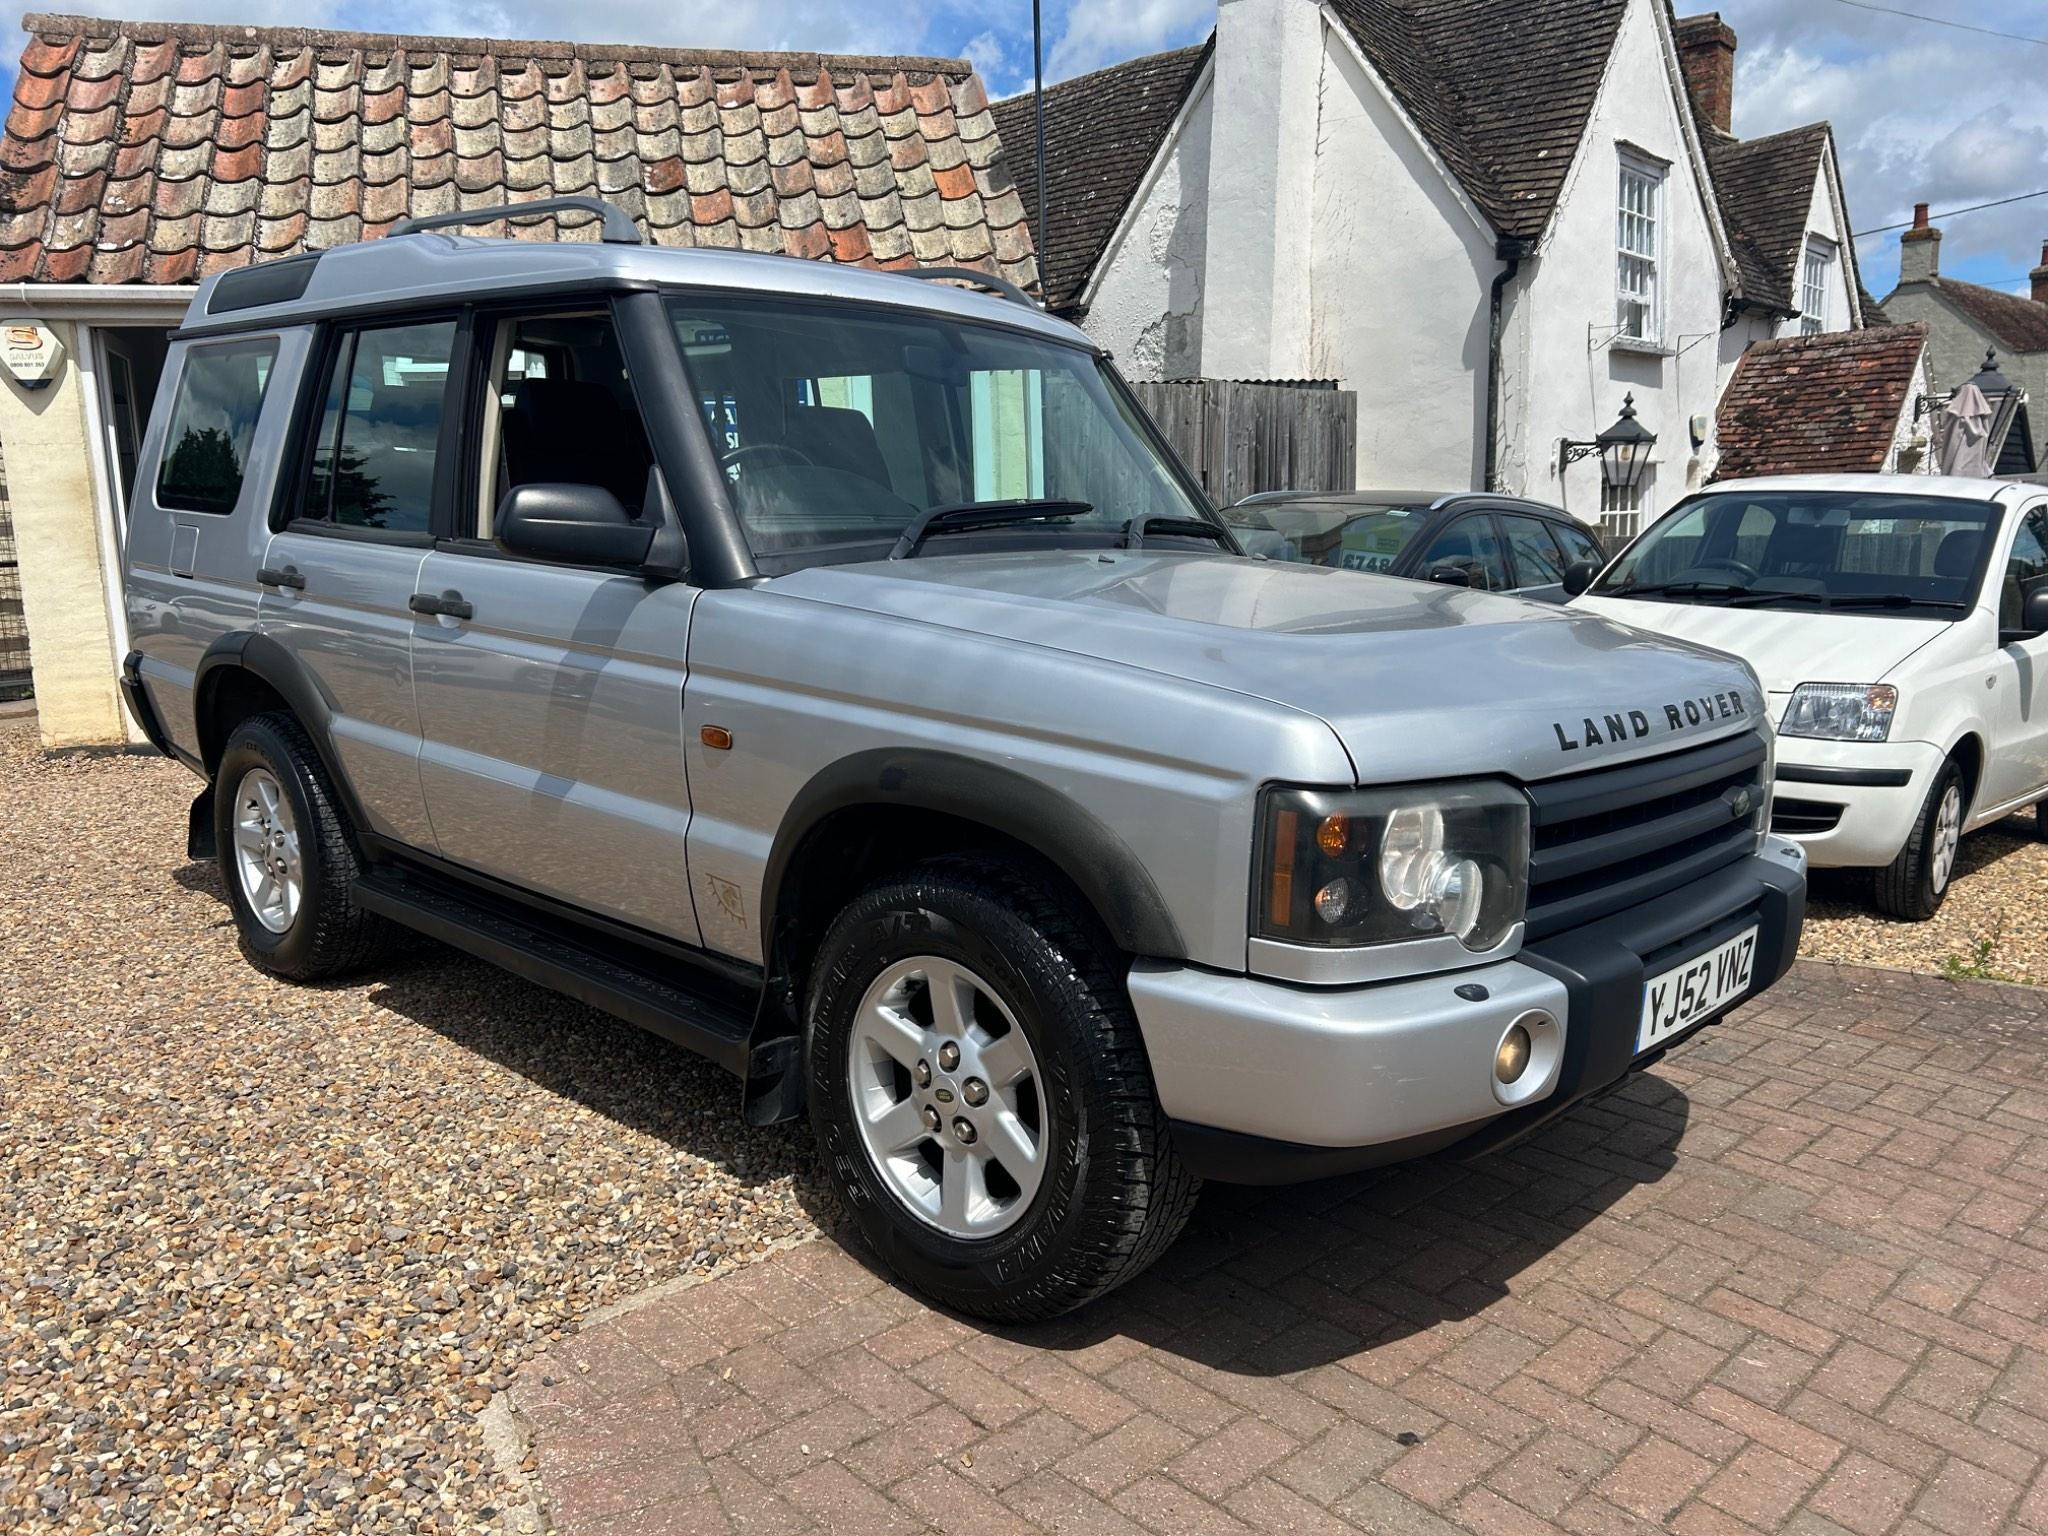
(1804, 818)
(1606, 841)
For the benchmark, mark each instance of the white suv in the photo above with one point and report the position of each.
(1900, 626)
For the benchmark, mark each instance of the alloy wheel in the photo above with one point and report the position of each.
(947, 1097)
(267, 850)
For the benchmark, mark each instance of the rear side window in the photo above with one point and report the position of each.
(380, 428)
(213, 419)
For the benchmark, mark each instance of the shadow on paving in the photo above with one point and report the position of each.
(1269, 1282)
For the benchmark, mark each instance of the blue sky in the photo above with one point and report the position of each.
(1922, 112)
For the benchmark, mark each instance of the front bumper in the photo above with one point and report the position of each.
(1851, 803)
(1268, 1083)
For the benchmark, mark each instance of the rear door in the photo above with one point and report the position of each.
(553, 708)
(340, 573)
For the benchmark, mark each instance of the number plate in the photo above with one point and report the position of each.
(1687, 993)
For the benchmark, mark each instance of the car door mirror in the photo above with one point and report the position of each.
(1447, 573)
(2033, 617)
(575, 524)
(1578, 576)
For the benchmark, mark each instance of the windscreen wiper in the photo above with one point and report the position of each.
(1892, 600)
(1136, 530)
(1673, 588)
(972, 516)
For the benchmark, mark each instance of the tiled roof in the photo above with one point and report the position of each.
(1825, 404)
(1102, 131)
(2018, 323)
(1501, 89)
(1765, 189)
(160, 152)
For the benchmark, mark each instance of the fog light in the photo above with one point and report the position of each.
(1333, 901)
(1512, 1059)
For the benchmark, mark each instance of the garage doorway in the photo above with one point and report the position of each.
(16, 681)
(130, 361)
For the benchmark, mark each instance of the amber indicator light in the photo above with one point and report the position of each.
(716, 737)
(1280, 893)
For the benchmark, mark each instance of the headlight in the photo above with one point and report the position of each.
(1350, 868)
(1841, 711)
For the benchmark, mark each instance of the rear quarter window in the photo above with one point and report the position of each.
(213, 420)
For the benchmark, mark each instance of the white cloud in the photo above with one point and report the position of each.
(1921, 114)
(1102, 32)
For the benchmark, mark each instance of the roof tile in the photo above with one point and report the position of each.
(2018, 323)
(1824, 404)
(151, 152)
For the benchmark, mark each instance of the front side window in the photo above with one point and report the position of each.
(1917, 555)
(2025, 570)
(1579, 546)
(560, 411)
(839, 429)
(1813, 285)
(380, 429)
(1637, 250)
(213, 420)
(1538, 561)
(1470, 545)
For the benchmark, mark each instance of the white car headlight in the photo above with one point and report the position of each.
(1841, 711)
(1351, 868)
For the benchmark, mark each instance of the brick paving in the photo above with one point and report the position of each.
(1793, 1280)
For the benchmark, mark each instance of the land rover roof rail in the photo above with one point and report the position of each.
(619, 228)
(1009, 291)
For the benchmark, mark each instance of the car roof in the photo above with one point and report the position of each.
(1957, 486)
(407, 271)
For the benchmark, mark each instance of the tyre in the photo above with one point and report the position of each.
(1915, 883)
(980, 1090)
(285, 855)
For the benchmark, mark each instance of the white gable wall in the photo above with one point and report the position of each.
(1399, 267)
(1565, 376)
(1821, 220)
(1146, 307)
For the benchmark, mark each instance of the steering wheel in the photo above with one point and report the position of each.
(1750, 574)
(732, 456)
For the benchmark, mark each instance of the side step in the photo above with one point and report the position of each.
(617, 984)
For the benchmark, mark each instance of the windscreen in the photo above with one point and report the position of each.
(1349, 535)
(1817, 548)
(838, 427)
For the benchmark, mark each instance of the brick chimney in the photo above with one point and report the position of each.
(2040, 276)
(1706, 52)
(1920, 250)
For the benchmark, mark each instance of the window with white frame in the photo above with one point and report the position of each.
(1815, 277)
(1638, 233)
(1621, 510)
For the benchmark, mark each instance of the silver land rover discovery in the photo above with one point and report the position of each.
(835, 673)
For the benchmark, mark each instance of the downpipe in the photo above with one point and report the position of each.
(1513, 252)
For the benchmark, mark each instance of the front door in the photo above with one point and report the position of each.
(553, 706)
(2017, 763)
(338, 580)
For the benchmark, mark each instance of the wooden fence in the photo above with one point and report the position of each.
(1240, 438)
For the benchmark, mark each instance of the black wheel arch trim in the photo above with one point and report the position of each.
(1098, 862)
(264, 658)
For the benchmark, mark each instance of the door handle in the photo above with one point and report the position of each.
(271, 576)
(449, 604)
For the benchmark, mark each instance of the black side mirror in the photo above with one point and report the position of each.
(1578, 576)
(2033, 617)
(575, 524)
(1445, 574)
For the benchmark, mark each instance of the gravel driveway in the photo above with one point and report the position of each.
(266, 1251)
(1994, 925)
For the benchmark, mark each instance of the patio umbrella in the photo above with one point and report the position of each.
(1962, 434)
